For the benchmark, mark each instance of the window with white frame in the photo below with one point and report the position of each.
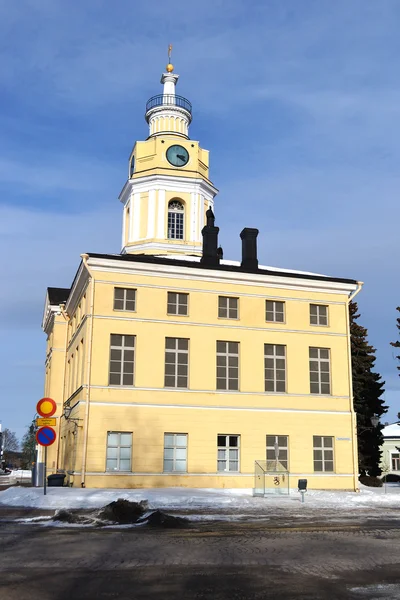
(323, 454)
(227, 365)
(320, 371)
(119, 451)
(176, 215)
(274, 311)
(124, 299)
(275, 367)
(395, 462)
(176, 362)
(177, 304)
(175, 452)
(277, 449)
(122, 355)
(228, 453)
(318, 314)
(228, 308)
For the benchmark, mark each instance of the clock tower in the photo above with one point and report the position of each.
(168, 190)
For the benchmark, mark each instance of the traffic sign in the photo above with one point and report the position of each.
(41, 422)
(46, 407)
(46, 436)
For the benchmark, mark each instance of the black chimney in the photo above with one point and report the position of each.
(249, 249)
(210, 256)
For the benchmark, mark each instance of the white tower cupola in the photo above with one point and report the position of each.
(168, 190)
(168, 113)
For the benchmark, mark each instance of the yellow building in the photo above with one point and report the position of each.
(174, 367)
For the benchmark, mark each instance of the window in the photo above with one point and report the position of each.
(177, 304)
(119, 451)
(227, 365)
(228, 453)
(122, 352)
(176, 362)
(228, 307)
(124, 299)
(175, 452)
(320, 371)
(176, 214)
(318, 314)
(275, 367)
(277, 449)
(323, 454)
(274, 311)
(395, 462)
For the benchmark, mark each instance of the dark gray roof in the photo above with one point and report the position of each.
(58, 295)
(149, 258)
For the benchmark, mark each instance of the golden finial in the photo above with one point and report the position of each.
(169, 67)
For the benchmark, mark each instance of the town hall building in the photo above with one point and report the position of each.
(172, 366)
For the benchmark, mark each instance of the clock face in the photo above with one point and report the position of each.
(177, 156)
(132, 166)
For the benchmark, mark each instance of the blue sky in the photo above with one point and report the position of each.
(298, 102)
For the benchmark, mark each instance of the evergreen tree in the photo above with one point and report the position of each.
(367, 390)
(397, 344)
(29, 445)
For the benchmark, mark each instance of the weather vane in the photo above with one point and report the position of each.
(170, 67)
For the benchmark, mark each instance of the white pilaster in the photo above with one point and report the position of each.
(193, 216)
(161, 228)
(136, 217)
(151, 214)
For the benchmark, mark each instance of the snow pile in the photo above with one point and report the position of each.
(193, 499)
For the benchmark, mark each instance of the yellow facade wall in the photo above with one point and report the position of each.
(148, 410)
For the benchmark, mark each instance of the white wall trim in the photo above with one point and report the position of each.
(219, 407)
(231, 325)
(162, 248)
(170, 183)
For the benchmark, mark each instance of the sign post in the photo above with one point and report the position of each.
(46, 436)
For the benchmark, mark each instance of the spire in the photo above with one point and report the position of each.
(168, 113)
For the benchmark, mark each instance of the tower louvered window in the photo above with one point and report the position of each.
(176, 214)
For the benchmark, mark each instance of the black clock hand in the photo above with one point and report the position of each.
(181, 156)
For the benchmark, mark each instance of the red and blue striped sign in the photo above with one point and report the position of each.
(46, 436)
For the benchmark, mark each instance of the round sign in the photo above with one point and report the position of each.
(46, 407)
(46, 436)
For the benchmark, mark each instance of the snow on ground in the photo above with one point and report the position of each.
(213, 500)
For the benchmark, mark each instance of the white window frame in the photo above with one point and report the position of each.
(270, 449)
(172, 452)
(395, 458)
(321, 371)
(324, 449)
(321, 313)
(125, 299)
(227, 362)
(176, 220)
(174, 304)
(120, 447)
(224, 453)
(272, 314)
(272, 362)
(231, 308)
(123, 361)
(176, 361)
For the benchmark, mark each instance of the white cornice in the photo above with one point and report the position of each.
(78, 287)
(134, 248)
(220, 276)
(172, 183)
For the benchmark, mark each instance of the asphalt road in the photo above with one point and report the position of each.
(219, 561)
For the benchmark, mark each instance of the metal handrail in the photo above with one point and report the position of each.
(169, 100)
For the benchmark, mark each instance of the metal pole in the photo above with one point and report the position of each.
(45, 466)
